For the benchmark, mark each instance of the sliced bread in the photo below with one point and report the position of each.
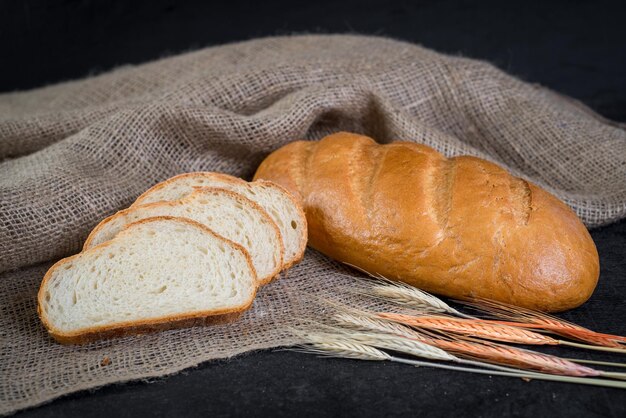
(158, 273)
(284, 209)
(227, 213)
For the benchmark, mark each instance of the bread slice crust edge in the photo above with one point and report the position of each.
(236, 180)
(171, 203)
(300, 210)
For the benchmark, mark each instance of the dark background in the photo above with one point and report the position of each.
(576, 48)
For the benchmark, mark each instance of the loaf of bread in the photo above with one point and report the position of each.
(284, 210)
(158, 273)
(228, 214)
(459, 227)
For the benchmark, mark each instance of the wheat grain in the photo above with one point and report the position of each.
(343, 348)
(401, 345)
(526, 318)
(370, 323)
(473, 327)
(518, 357)
(407, 295)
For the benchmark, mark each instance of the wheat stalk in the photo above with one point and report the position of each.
(497, 353)
(500, 353)
(518, 357)
(368, 321)
(526, 318)
(394, 336)
(473, 327)
(362, 320)
(340, 346)
(496, 331)
(404, 345)
(412, 343)
(413, 297)
(371, 323)
(375, 333)
(599, 363)
(406, 295)
(337, 347)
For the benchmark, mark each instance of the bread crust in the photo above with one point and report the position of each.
(236, 180)
(223, 177)
(305, 231)
(145, 326)
(263, 280)
(460, 227)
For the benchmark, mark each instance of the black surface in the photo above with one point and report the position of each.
(575, 48)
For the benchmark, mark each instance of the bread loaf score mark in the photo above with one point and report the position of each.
(442, 190)
(458, 227)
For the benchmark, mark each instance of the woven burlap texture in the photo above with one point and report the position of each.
(76, 152)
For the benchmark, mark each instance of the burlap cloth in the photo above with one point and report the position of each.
(76, 152)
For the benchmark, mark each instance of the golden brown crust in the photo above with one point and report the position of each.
(145, 326)
(223, 177)
(166, 323)
(235, 180)
(458, 227)
(203, 190)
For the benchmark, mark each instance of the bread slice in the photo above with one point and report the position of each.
(158, 273)
(282, 207)
(227, 213)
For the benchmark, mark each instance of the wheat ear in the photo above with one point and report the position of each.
(404, 345)
(495, 353)
(354, 318)
(502, 354)
(343, 348)
(334, 346)
(407, 295)
(526, 318)
(489, 330)
(473, 327)
(368, 321)
(363, 320)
